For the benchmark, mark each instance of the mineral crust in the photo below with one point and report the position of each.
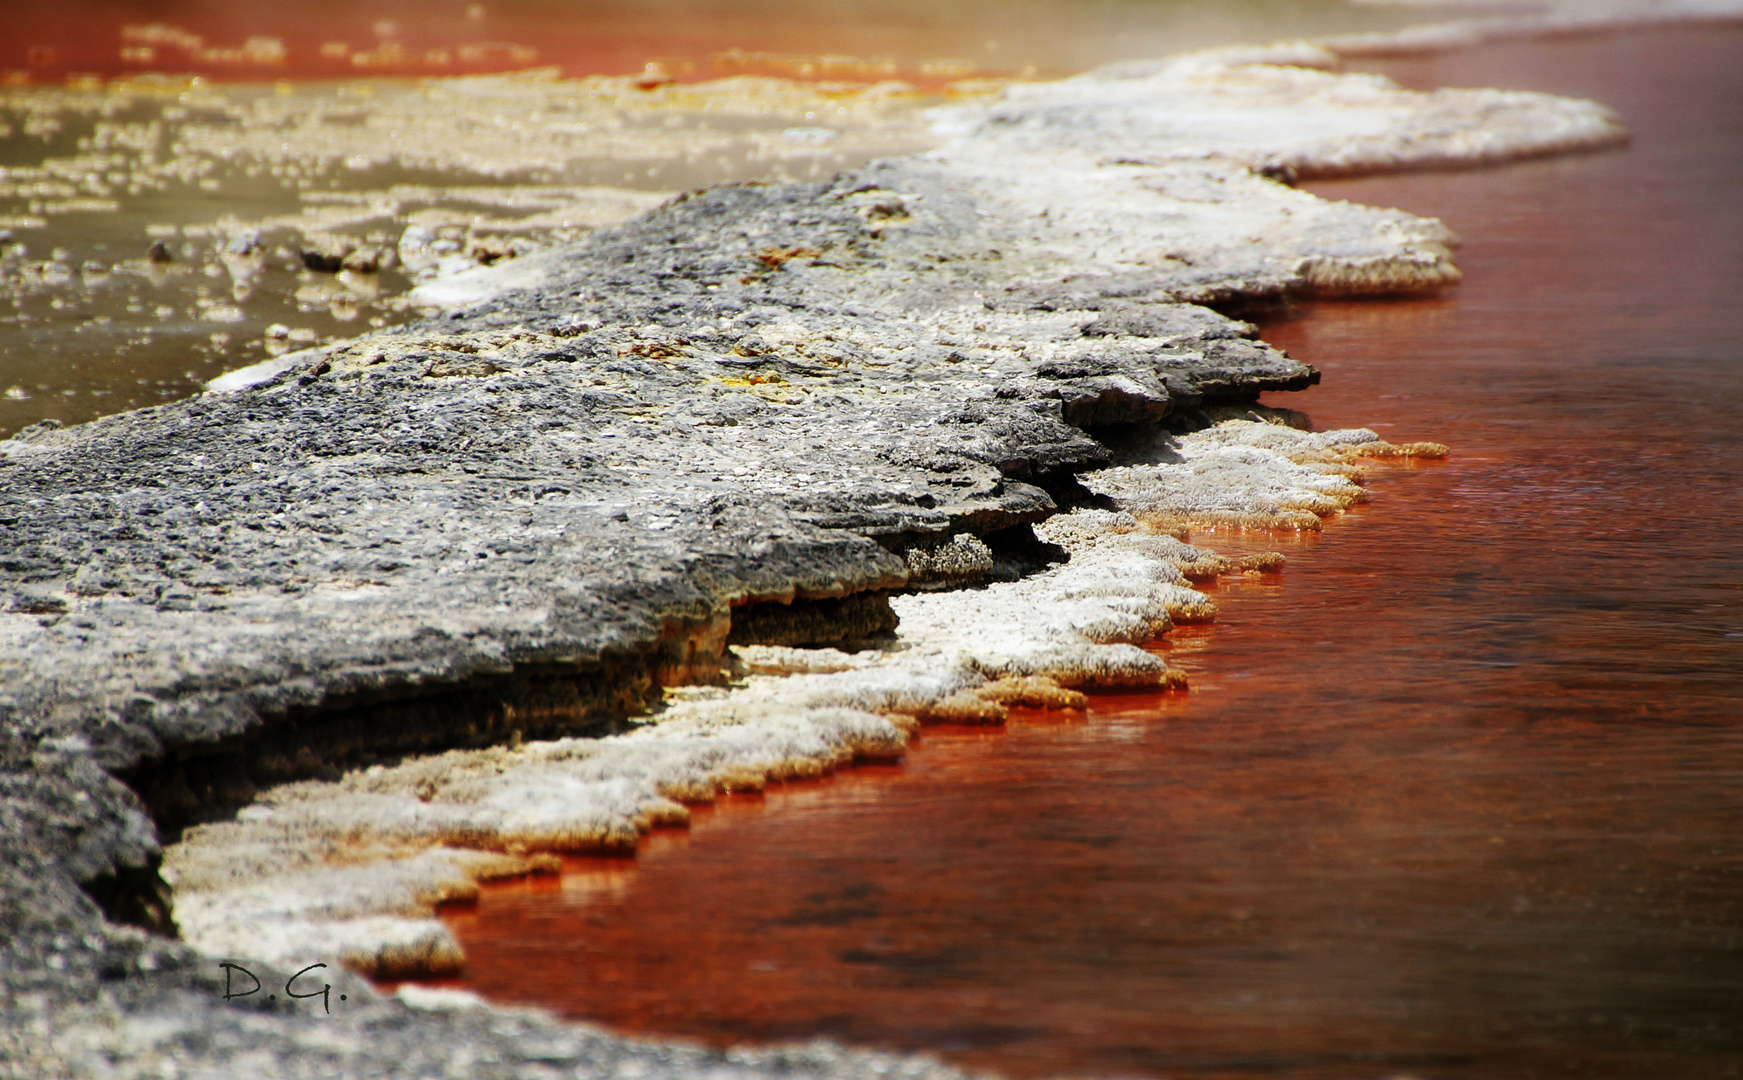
(701, 447)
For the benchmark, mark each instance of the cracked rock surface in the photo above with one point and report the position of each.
(528, 517)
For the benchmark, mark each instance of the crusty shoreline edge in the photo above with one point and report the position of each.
(85, 996)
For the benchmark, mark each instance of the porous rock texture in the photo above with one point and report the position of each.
(531, 518)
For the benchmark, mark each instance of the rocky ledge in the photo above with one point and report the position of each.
(807, 448)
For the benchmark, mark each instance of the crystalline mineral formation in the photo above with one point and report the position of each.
(740, 490)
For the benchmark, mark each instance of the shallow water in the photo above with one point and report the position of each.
(1460, 795)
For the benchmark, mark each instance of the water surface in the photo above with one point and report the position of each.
(1460, 795)
(48, 40)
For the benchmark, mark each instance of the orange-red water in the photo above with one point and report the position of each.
(1461, 795)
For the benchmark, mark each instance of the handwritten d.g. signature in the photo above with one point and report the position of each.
(232, 970)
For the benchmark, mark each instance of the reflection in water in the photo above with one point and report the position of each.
(1459, 798)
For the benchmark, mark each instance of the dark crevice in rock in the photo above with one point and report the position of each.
(197, 782)
(137, 896)
(1258, 308)
(850, 622)
(1134, 443)
(1188, 421)
(1018, 552)
(1068, 491)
